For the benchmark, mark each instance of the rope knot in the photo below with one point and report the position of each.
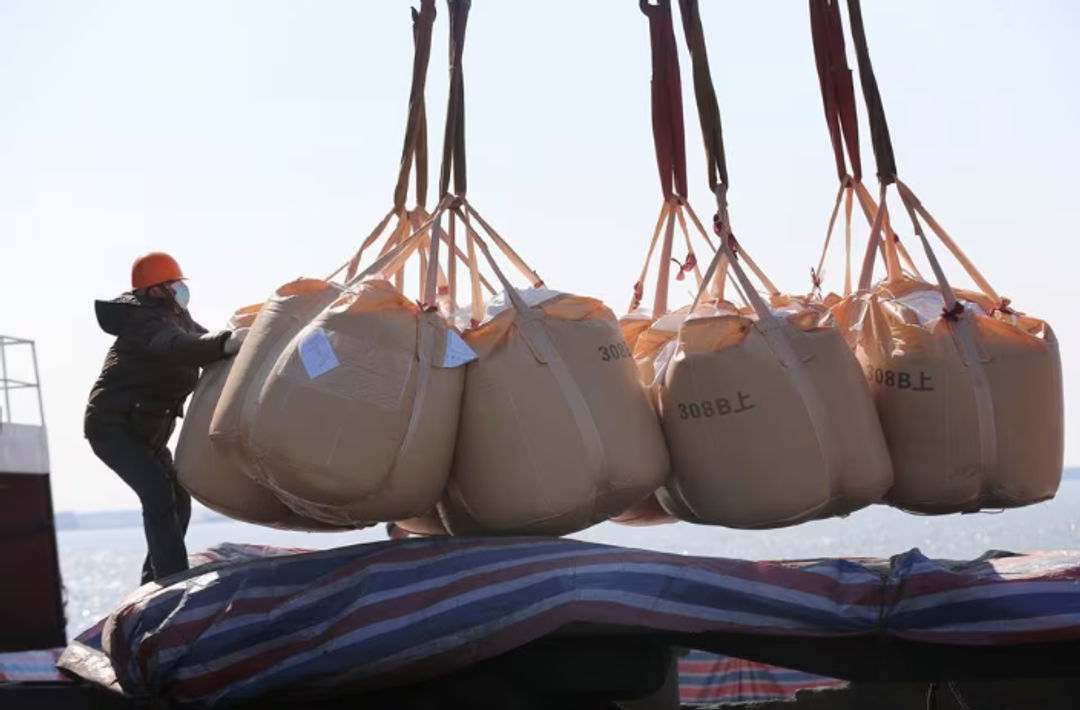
(954, 312)
(639, 293)
(685, 266)
(1003, 307)
(718, 229)
(815, 278)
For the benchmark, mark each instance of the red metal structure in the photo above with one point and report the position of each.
(31, 605)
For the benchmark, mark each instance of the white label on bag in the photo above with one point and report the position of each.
(928, 305)
(458, 351)
(317, 354)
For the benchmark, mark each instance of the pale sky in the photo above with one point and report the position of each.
(257, 141)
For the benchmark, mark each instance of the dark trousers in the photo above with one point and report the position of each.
(166, 506)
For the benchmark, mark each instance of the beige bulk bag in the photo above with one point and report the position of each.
(356, 422)
(654, 343)
(210, 477)
(556, 433)
(283, 315)
(969, 391)
(767, 418)
(412, 226)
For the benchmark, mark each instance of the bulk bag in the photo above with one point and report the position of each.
(212, 478)
(556, 432)
(655, 342)
(968, 390)
(288, 310)
(767, 417)
(356, 422)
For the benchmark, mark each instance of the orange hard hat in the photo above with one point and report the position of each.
(154, 268)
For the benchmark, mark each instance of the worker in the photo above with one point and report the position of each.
(151, 368)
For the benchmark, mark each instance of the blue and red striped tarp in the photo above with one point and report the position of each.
(711, 680)
(706, 680)
(30, 666)
(253, 620)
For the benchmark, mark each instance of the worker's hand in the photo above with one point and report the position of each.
(236, 338)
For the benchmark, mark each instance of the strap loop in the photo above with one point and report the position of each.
(453, 159)
(879, 127)
(837, 89)
(415, 144)
(669, 135)
(705, 95)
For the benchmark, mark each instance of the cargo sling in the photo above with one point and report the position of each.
(770, 326)
(959, 324)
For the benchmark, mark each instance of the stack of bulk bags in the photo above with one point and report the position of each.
(214, 479)
(767, 417)
(356, 418)
(968, 390)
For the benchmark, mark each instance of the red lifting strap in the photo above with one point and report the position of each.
(669, 135)
(453, 161)
(879, 128)
(705, 95)
(415, 147)
(837, 88)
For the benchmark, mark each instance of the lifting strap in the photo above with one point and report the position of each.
(415, 143)
(705, 95)
(875, 110)
(837, 88)
(669, 135)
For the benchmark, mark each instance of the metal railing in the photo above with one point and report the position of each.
(8, 384)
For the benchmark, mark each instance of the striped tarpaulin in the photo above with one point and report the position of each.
(30, 666)
(711, 680)
(255, 620)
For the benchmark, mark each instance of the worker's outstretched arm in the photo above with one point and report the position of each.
(163, 339)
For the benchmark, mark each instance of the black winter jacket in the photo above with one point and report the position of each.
(152, 366)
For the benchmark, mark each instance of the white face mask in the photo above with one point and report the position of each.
(181, 294)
